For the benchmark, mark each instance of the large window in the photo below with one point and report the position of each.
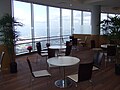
(54, 15)
(77, 21)
(23, 15)
(82, 22)
(54, 19)
(40, 21)
(86, 27)
(103, 16)
(66, 21)
(111, 15)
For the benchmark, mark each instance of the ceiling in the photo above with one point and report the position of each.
(109, 6)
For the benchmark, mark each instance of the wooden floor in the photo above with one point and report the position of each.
(105, 79)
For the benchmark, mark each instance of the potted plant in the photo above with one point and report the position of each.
(111, 29)
(8, 36)
(29, 48)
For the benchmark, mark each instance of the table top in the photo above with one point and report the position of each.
(96, 49)
(105, 45)
(63, 61)
(79, 39)
(57, 47)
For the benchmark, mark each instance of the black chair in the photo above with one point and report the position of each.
(51, 53)
(39, 49)
(47, 45)
(37, 74)
(111, 50)
(97, 60)
(1, 59)
(42, 53)
(68, 48)
(71, 37)
(93, 44)
(110, 53)
(84, 73)
(112, 42)
(74, 43)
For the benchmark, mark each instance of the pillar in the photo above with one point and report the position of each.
(6, 7)
(95, 21)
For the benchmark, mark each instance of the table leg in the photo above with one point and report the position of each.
(63, 83)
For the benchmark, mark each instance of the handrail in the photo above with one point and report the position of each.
(42, 39)
(21, 46)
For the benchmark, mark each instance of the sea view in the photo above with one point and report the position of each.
(46, 21)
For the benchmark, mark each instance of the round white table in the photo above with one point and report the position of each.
(105, 45)
(63, 61)
(57, 47)
(96, 49)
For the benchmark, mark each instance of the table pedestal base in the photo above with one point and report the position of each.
(63, 83)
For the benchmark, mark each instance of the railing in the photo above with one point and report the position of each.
(22, 44)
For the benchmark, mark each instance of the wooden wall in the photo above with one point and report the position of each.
(98, 39)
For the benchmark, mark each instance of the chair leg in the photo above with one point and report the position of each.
(1, 74)
(46, 60)
(36, 59)
(106, 59)
(76, 85)
(91, 82)
(105, 62)
(31, 82)
(49, 82)
(1, 78)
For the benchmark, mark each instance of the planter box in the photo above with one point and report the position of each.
(13, 67)
(117, 69)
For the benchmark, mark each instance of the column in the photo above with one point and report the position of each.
(95, 20)
(6, 7)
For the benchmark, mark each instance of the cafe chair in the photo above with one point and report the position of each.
(110, 54)
(74, 43)
(47, 45)
(97, 60)
(61, 52)
(111, 51)
(1, 59)
(71, 37)
(68, 48)
(39, 49)
(84, 73)
(83, 42)
(51, 53)
(42, 53)
(37, 74)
